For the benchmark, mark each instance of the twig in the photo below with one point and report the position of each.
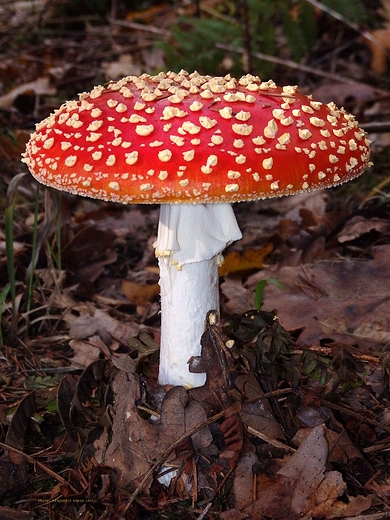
(377, 189)
(294, 65)
(340, 18)
(268, 440)
(59, 370)
(140, 27)
(357, 415)
(327, 351)
(375, 516)
(377, 126)
(205, 511)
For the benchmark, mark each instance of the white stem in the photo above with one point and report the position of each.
(188, 296)
(190, 239)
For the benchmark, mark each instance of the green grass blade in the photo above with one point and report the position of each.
(9, 240)
(259, 291)
(34, 253)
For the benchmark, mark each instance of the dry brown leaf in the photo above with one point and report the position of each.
(140, 293)
(40, 86)
(134, 439)
(301, 487)
(138, 442)
(97, 321)
(373, 331)
(359, 225)
(243, 480)
(215, 360)
(195, 415)
(341, 449)
(87, 351)
(378, 50)
(123, 66)
(172, 425)
(238, 298)
(256, 412)
(333, 298)
(306, 467)
(345, 94)
(251, 259)
(330, 508)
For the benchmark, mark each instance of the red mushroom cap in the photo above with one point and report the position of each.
(191, 138)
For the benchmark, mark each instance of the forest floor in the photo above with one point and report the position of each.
(304, 429)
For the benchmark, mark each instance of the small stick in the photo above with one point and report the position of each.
(273, 442)
(293, 65)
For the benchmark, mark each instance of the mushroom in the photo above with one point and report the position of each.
(194, 144)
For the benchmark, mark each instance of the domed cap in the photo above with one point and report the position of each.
(189, 138)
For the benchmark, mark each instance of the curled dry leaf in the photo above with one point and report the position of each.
(134, 439)
(95, 332)
(137, 442)
(40, 86)
(233, 434)
(301, 487)
(83, 401)
(66, 391)
(20, 421)
(360, 225)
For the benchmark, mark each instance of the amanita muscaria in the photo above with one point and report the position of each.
(194, 144)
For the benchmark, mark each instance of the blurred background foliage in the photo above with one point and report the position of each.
(210, 36)
(253, 24)
(274, 27)
(284, 28)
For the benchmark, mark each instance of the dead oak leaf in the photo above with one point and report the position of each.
(134, 440)
(95, 321)
(140, 293)
(138, 442)
(250, 259)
